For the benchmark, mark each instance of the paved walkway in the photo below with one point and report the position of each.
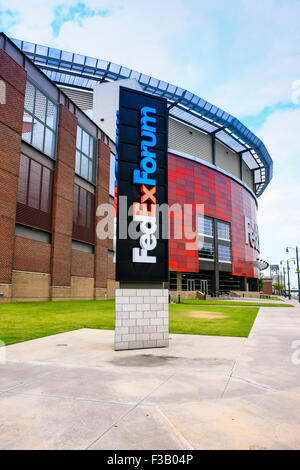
(72, 391)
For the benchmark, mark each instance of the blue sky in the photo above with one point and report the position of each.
(241, 55)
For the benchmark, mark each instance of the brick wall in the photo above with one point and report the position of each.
(25, 255)
(11, 117)
(102, 197)
(63, 195)
(31, 255)
(267, 289)
(82, 264)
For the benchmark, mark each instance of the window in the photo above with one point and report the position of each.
(205, 226)
(224, 254)
(206, 252)
(34, 194)
(39, 120)
(172, 280)
(223, 231)
(86, 155)
(83, 215)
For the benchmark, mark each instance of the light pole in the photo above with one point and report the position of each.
(288, 273)
(284, 284)
(298, 271)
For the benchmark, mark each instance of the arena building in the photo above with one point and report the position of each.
(57, 147)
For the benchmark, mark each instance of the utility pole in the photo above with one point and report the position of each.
(298, 272)
(288, 273)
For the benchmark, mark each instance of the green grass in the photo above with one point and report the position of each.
(25, 321)
(236, 322)
(234, 303)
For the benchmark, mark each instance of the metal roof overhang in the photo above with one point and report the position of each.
(75, 70)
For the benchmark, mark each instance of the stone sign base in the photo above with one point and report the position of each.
(142, 318)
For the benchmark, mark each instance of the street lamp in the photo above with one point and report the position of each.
(298, 270)
(284, 284)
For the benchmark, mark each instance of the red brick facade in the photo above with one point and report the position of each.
(63, 195)
(102, 197)
(82, 264)
(55, 257)
(11, 116)
(31, 255)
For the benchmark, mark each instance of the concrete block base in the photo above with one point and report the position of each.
(142, 319)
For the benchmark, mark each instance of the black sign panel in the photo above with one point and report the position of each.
(142, 144)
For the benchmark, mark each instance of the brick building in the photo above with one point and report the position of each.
(57, 133)
(48, 248)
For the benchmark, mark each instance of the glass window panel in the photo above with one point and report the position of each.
(38, 135)
(86, 155)
(51, 115)
(29, 97)
(206, 251)
(91, 147)
(42, 50)
(46, 193)
(54, 53)
(77, 162)
(49, 142)
(91, 62)
(224, 230)
(67, 56)
(27, 127)
(23, 179)
(84, 167)
(34, 185)
(40, 106)
(28, 46)
(40, 116)
(90, 170)
(85, 143)
(205, 226)
(224, 254)
(79, 59)
(78, 137)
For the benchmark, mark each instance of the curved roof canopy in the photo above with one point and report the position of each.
(79, 71)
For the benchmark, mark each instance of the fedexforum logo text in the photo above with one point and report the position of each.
(144, 211)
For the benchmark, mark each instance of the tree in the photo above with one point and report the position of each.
(261, 284)
(277, 286)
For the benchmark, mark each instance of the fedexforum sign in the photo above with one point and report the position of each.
(251, 234)
(143, 179)
(144, 212)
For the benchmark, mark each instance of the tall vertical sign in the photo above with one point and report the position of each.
(142, 310)
(141, 251)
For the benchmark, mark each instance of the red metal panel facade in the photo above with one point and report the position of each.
(223, 198)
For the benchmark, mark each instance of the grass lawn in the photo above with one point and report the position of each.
(235, 303)
(25, 321)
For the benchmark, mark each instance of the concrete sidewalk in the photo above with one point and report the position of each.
(72, 391)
